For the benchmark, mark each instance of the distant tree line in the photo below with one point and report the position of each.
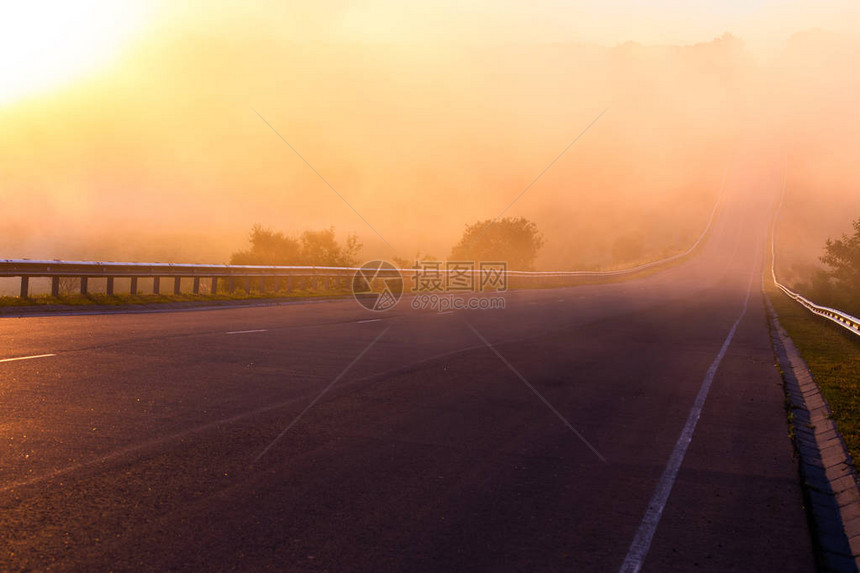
(517, 241)
(514, 240)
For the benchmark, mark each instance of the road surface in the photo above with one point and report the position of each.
(533, 438)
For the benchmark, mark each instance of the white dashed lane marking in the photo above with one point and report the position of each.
(26, 357)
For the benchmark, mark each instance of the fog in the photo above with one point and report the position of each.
(162, 155)
(815, 118)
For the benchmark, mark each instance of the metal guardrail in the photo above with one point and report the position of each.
(286, 277)
(84, 270)
(312, 275)
(843, 319)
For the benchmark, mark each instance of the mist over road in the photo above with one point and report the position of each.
(158, 442)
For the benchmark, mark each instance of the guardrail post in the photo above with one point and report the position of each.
(195, 287)
(133, 287)
(177, 285)
(55, 287)
(289, 283)
(247, 285)
(156, 285)
(25, 286)
(231, 285)
(213, 288)
(109, 287)
(84, 286)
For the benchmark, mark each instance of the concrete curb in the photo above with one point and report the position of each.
(829, 482)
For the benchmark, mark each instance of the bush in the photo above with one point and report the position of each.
(318, 248)
(514, 240)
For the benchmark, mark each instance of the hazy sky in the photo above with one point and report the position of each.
(129, 130)
(46, 43)
(763, 24)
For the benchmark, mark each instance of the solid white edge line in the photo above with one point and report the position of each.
(368, 320)
(645, 534)
(26, 357)
(247, 331)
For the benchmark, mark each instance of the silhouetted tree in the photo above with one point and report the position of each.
(515, 240)
(320, 248)
(268, 248)
(843, 258)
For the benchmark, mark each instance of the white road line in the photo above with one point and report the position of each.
(447, 312)
(645, 534)
(247, 331)
(26, 357)
(368, 320)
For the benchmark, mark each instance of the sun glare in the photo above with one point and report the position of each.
(45, 44)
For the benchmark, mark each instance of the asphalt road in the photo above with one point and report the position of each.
(170, 441)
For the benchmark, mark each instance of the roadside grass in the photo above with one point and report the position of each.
(833, 356)
(119, 300)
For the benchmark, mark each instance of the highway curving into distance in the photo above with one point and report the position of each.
(635, 424)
